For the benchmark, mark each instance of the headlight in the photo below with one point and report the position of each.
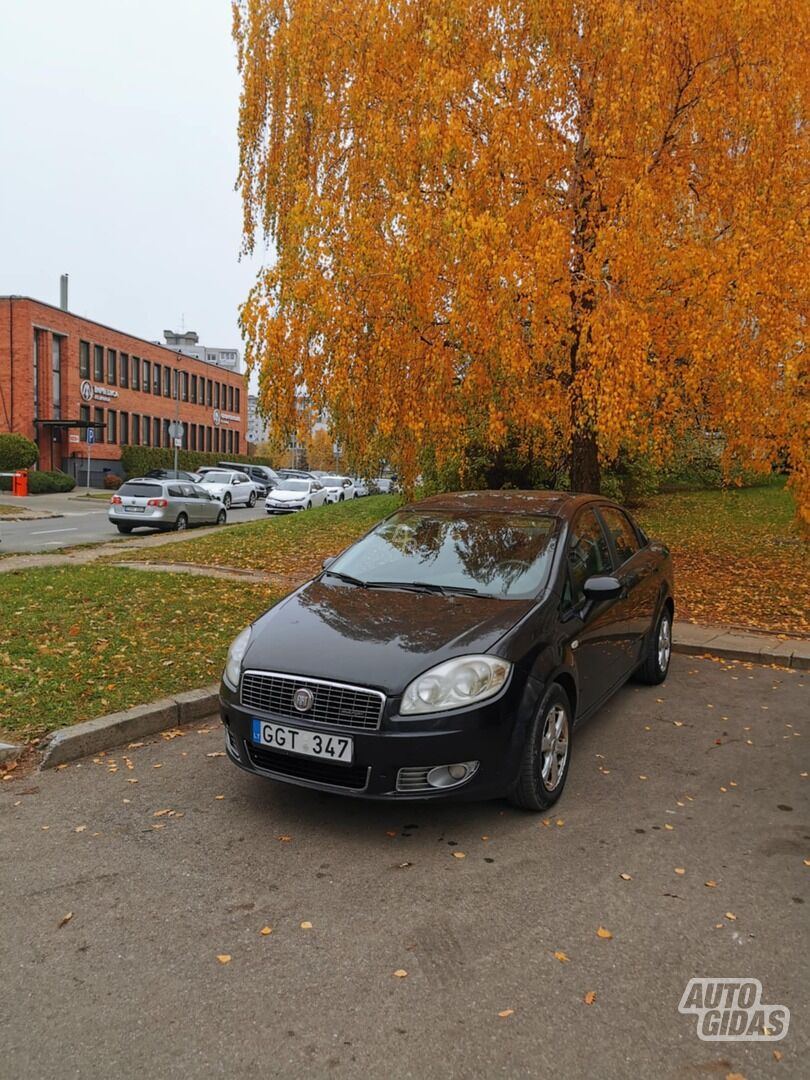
(233, 665)
(458, 682)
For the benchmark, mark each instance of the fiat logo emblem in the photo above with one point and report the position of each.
(303, 699)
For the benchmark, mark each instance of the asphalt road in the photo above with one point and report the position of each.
(707, 775)
(83, 521)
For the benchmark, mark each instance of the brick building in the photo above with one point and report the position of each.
(61, 375)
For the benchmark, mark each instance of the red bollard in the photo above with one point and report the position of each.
(19, 483)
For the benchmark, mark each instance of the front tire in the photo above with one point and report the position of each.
(226, 501)
(309, 506)
(181, 523)
(222, 517)
(658, 653)
(546, 754)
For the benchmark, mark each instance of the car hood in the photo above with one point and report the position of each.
(216, 489)
(381, 638)
(288, 496)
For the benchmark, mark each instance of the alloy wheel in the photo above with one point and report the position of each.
(664, 642)
(554, 747)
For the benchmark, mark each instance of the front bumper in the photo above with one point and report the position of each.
(491, 734)
(283, 508)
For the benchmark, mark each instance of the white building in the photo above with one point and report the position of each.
(188, 342)
(258, 428)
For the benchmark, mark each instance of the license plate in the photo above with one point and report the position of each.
(308, 743)
(134, 509)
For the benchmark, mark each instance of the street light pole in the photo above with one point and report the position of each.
(176, 408)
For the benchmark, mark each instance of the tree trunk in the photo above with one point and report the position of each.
(585, 472)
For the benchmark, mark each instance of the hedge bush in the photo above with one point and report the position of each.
(138, 460)
(47, 483)
(17, 452)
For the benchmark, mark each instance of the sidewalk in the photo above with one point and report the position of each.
(758, 648)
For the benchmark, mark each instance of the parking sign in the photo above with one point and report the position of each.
(91, 436)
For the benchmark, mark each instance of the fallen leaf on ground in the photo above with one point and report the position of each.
(559, 821)
(219, 796)
(504, 1013)
(625, 877)
(730, 915)
(284, 838)
(710, 884)
(603, 933)
(400, 973)
(561, 956)
(669, 827)
(590, 997)
(777, 1055)
(80, 828)
(224, 958)
(459, 855)
(162, 813)
(390, 832)
(306, 925)
(265, 930)
(65, 919)
(679, 870)
(216, 753)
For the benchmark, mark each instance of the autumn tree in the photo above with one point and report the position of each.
(581, 224)
(320, 450)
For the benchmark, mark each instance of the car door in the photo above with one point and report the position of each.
(317, 493)
(593, 627)
(637, 568)
(193, 504)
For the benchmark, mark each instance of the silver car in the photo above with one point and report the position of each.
(164, 504)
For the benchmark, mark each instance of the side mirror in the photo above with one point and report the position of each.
(602, 587)
(327, 562)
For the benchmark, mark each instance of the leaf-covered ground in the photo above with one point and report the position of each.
(291, 544)
(739, 558)
(78, 642)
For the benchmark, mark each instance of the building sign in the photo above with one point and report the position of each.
(89, 392)
(225, 418)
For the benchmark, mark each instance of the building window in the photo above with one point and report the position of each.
(98, 424)
(136, 430)
(230, 441)
(194, 389)
(147, 377)
(167, 383)
(216, 440)
(98, 363)
(123, 429)
(155, 431)
(236, 396)
(212, 358)
(112, 363)
(185, 436)
(185, 386)
(136, 373)
(123, 369)
(216, 397)
(209, 394)
(84, 359)
(229, 399)
(56, 377)
(146, 431)
(84, 416)
(167, 439)
(156, 380)
(36, 372)
(236, 442)
(112, 425)
(208, 439)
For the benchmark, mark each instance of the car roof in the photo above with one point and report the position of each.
(562, 504)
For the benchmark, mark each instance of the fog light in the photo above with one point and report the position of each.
(450, 775)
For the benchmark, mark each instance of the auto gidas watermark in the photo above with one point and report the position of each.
(732, 1010)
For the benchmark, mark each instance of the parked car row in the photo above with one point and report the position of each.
(177, 498)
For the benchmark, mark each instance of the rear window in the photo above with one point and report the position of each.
(143, 491)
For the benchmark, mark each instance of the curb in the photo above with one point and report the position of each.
(10, 752)
(35, 515)
(106, 732)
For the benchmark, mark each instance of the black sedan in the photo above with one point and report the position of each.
(452, 650)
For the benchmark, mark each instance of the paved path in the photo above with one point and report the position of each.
(707, 774)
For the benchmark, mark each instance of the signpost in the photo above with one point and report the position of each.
(176, 434)
(91, 438)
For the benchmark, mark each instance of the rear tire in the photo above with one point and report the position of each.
(226, 501)
(658, 653)
(252, 500)
(181, 523)
(222, 517)
(124, 529)
(546, 756)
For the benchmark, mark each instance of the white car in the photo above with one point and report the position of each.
(231, 488)
(360, 487)
(295, 493)
(338, 488)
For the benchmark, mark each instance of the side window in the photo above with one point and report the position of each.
(176, 492)
(189, 491)
(623, 533)
(588, 553)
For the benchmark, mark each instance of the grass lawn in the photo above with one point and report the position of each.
(6, 510)
(739, 557)
(293, 544)
(77, 642)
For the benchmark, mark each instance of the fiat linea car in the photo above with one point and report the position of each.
(452, 650)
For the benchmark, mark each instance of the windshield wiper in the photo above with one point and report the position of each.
(347, 578)
(425, 586)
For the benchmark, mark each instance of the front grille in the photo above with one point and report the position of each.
(335, 704)
(414, 778)
(320, 772)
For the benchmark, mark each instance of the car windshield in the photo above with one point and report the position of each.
(293, 485)
(216, 478)
(332, 481)
(496, 554)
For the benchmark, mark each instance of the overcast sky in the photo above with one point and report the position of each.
(118, 160)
